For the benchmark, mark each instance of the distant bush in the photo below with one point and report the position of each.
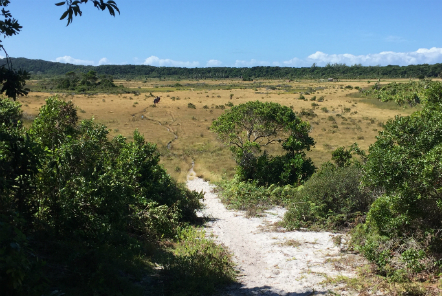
(308, 113)
(191, 106)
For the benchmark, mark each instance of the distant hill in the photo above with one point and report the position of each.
(41, 68)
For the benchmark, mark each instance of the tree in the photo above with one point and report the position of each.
(13, 81)
(250, 127)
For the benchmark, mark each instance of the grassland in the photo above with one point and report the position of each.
(179, 124)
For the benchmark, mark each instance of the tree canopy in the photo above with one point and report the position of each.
(250, 127)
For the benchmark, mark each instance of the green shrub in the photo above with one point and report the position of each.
(191, 106)
(93, 202)
(329, 199)
(241, 195)
(406, 163)
(229, 104)
(196, 266)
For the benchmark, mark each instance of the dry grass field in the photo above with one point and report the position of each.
(181, 132)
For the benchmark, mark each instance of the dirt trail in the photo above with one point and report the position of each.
(270, 260)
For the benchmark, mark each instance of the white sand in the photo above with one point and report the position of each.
(266, 261)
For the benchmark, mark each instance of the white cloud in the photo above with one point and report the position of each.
(213, 63)
(251, 63)
(392, 38)
(103, 61)
(156, 61)
(71, 60)
(295, 62)
(421, 56)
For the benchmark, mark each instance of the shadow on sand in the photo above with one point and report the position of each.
(240, 290)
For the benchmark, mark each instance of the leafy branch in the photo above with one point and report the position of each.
(73, 8)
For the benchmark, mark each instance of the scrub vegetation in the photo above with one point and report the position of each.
(389, 198)
(73, 168)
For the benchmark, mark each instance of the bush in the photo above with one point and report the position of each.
(197, 266)
(247, 196)
(330, 199)
(93, 202)
(405, 222)
(191, 106)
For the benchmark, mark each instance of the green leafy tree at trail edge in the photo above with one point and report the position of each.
(250, 127)
(13, 81)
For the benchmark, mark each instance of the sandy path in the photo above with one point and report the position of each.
(271, 261)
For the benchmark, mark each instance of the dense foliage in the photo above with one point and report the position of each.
(411, 93)
(340, 71)
(402, 232)
(330, 199)
(76, 207)
(79, 82)
(248, 128)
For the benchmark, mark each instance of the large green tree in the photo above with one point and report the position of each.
(249, 128)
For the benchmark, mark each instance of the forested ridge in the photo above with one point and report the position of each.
(41, 68)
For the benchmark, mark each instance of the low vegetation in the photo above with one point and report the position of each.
(390, 199)
(82, 203)
(78, 207)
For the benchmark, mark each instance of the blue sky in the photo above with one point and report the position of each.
(233, 33)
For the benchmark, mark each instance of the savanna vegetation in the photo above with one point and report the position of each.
(331, 198)
(78, 207)
(84, 213)
(85, 198)
(389, 198)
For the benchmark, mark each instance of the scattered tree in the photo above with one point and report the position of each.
(250, 127)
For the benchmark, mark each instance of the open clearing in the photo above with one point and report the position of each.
(181, 132)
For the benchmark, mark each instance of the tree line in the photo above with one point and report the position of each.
(41, 68)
